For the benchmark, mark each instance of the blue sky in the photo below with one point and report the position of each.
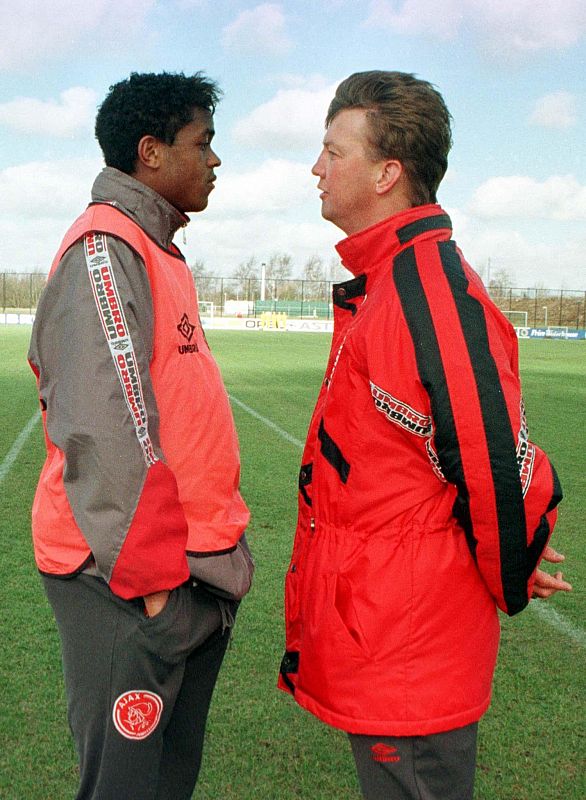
(512, 74)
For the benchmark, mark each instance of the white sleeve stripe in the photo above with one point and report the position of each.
(410, 420)
(525, 452)
(113, 320)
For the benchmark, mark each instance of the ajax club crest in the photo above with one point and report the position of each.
(136, 714)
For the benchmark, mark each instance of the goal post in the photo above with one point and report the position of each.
(518, 319)
(206, 309)
(556, 332)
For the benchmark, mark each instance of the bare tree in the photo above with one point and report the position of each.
(315, 286)
(279, 266)
(337, 272)
(245, 273)
(198, 268)
(313, 269)
(203, 280)
(278, 273)
(500, 283)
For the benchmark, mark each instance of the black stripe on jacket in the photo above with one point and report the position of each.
(497, 429)
(434, 223)
(332, 453)
(541, 535)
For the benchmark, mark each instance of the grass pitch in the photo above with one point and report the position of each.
(260, 745)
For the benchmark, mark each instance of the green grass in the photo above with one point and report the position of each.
(260, 745)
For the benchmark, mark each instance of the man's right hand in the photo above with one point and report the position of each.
(156, 602)
(546, 584)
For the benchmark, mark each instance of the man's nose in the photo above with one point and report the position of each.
(317, 168)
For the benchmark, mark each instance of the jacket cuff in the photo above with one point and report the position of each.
(152, 557)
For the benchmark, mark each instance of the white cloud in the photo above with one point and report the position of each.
(438, 18)
(556, 110)
(525, 26)
(75, 111)
(528, 261)
(275, 207)
(38, 202)
(223, 244)
(277, 185)
(260, 211)
(507, 29)
(292, 80)
(188, 5)
(33, 31)
(293, 120)
(43, 189)
(259, 29)
(560, 197)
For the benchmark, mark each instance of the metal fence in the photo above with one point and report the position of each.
(19, 292)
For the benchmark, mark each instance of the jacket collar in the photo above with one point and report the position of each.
(363, 252)
(146, 207)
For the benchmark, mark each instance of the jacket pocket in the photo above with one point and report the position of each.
(345, 619)
(166, 635)
(372, 591)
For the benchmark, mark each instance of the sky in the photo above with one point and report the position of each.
(512, 73)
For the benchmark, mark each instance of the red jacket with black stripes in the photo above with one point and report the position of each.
(422, 505)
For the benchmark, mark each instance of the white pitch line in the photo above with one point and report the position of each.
(554, 618)
(547, 613)
(269, 423)
(19, 443)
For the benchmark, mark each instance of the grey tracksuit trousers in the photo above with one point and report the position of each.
(439, 766)
(138, 688)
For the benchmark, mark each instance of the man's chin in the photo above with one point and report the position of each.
(201, 205)
(325, 212)
(329, 216)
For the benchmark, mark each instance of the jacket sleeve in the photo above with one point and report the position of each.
(92, 349)
(466, 355)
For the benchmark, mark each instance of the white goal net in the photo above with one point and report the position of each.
(206, 309)
(518, 319)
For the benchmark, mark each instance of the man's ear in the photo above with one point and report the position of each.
(390, 173)
(149, 152)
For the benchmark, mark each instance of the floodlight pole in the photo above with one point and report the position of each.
(263, 277)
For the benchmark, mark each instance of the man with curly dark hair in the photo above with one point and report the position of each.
(138, 522)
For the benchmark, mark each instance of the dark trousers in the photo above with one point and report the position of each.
(440, 766)
(138, 688)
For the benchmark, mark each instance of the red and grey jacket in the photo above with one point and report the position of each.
(142, 465)
(423, 505)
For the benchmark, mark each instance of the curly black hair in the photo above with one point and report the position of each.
(155, 104)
